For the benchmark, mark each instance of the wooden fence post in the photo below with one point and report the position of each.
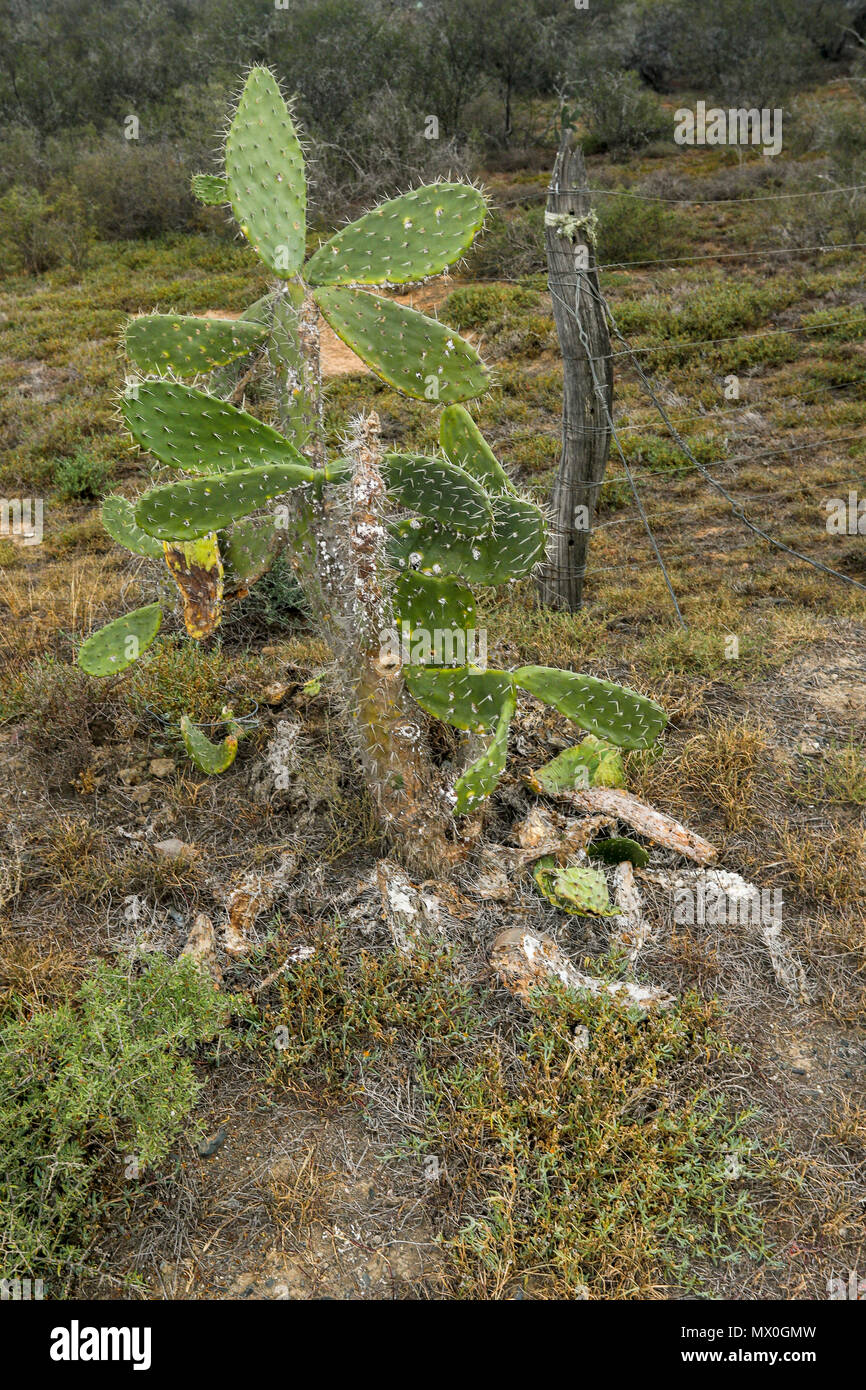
(573, 282)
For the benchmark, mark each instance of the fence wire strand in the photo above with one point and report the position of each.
(733, 503)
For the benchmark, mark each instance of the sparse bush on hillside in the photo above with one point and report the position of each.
(631, 228)
(135, 189)
(510, 247)
(43, 230)
(619, 113)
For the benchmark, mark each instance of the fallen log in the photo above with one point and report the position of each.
(646, 820)
(525, 960)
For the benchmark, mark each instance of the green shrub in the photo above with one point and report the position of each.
(85, 1089)
(135, 189)
(620, 114)
(82, 475)
(43, 230)
(484, 306)
(630, 229)
(510, 248)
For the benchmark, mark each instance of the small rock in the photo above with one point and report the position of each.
(162, 767)
(175, 849)
(131, 776)
(141, 795)
(208, 1147)
(201, 946)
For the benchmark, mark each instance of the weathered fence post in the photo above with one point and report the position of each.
(573, 280)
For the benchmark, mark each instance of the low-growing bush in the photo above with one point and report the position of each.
(549, 1156)
(83, 475)
(90, 1093)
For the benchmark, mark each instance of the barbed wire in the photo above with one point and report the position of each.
(741, 458)
(701, 468)
(711, 202)
(739, 255)
(678, 202)
(708, 416)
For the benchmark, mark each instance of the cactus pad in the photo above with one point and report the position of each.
(480, 778)
(210, 758)
(618, 849)
(575, 889)
(464, 444)
(210, 189)
(439, 491)
(191, 430)
(512, 548)
(462, 696)
(265, 175)
(118, 518)
(188, 346)
(607, 710)
(248, 551)
(184, 510)
(287, 362)
(426, 605)
(407, 238)
(415, 354)
(120, 643)
(590, 763)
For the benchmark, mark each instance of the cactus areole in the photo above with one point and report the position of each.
(382, 543)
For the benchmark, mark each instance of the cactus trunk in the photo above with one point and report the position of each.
(339, 562)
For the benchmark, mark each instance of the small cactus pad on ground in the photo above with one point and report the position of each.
(617, 850)
(438, 490)
(118, 518)
(464, 444)
(188, 429)
(265, 175)
(184, 510)
(588, 764)
(433, 605)
(407, 238)
(414, 354)
(480, 778)
(121, 642)
(188, 346)
(610, 711)
(461, 696)
(574, 889)
(210, 758)
(510, 550)
(210, 189)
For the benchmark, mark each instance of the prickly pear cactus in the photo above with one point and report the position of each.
(384, 544)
